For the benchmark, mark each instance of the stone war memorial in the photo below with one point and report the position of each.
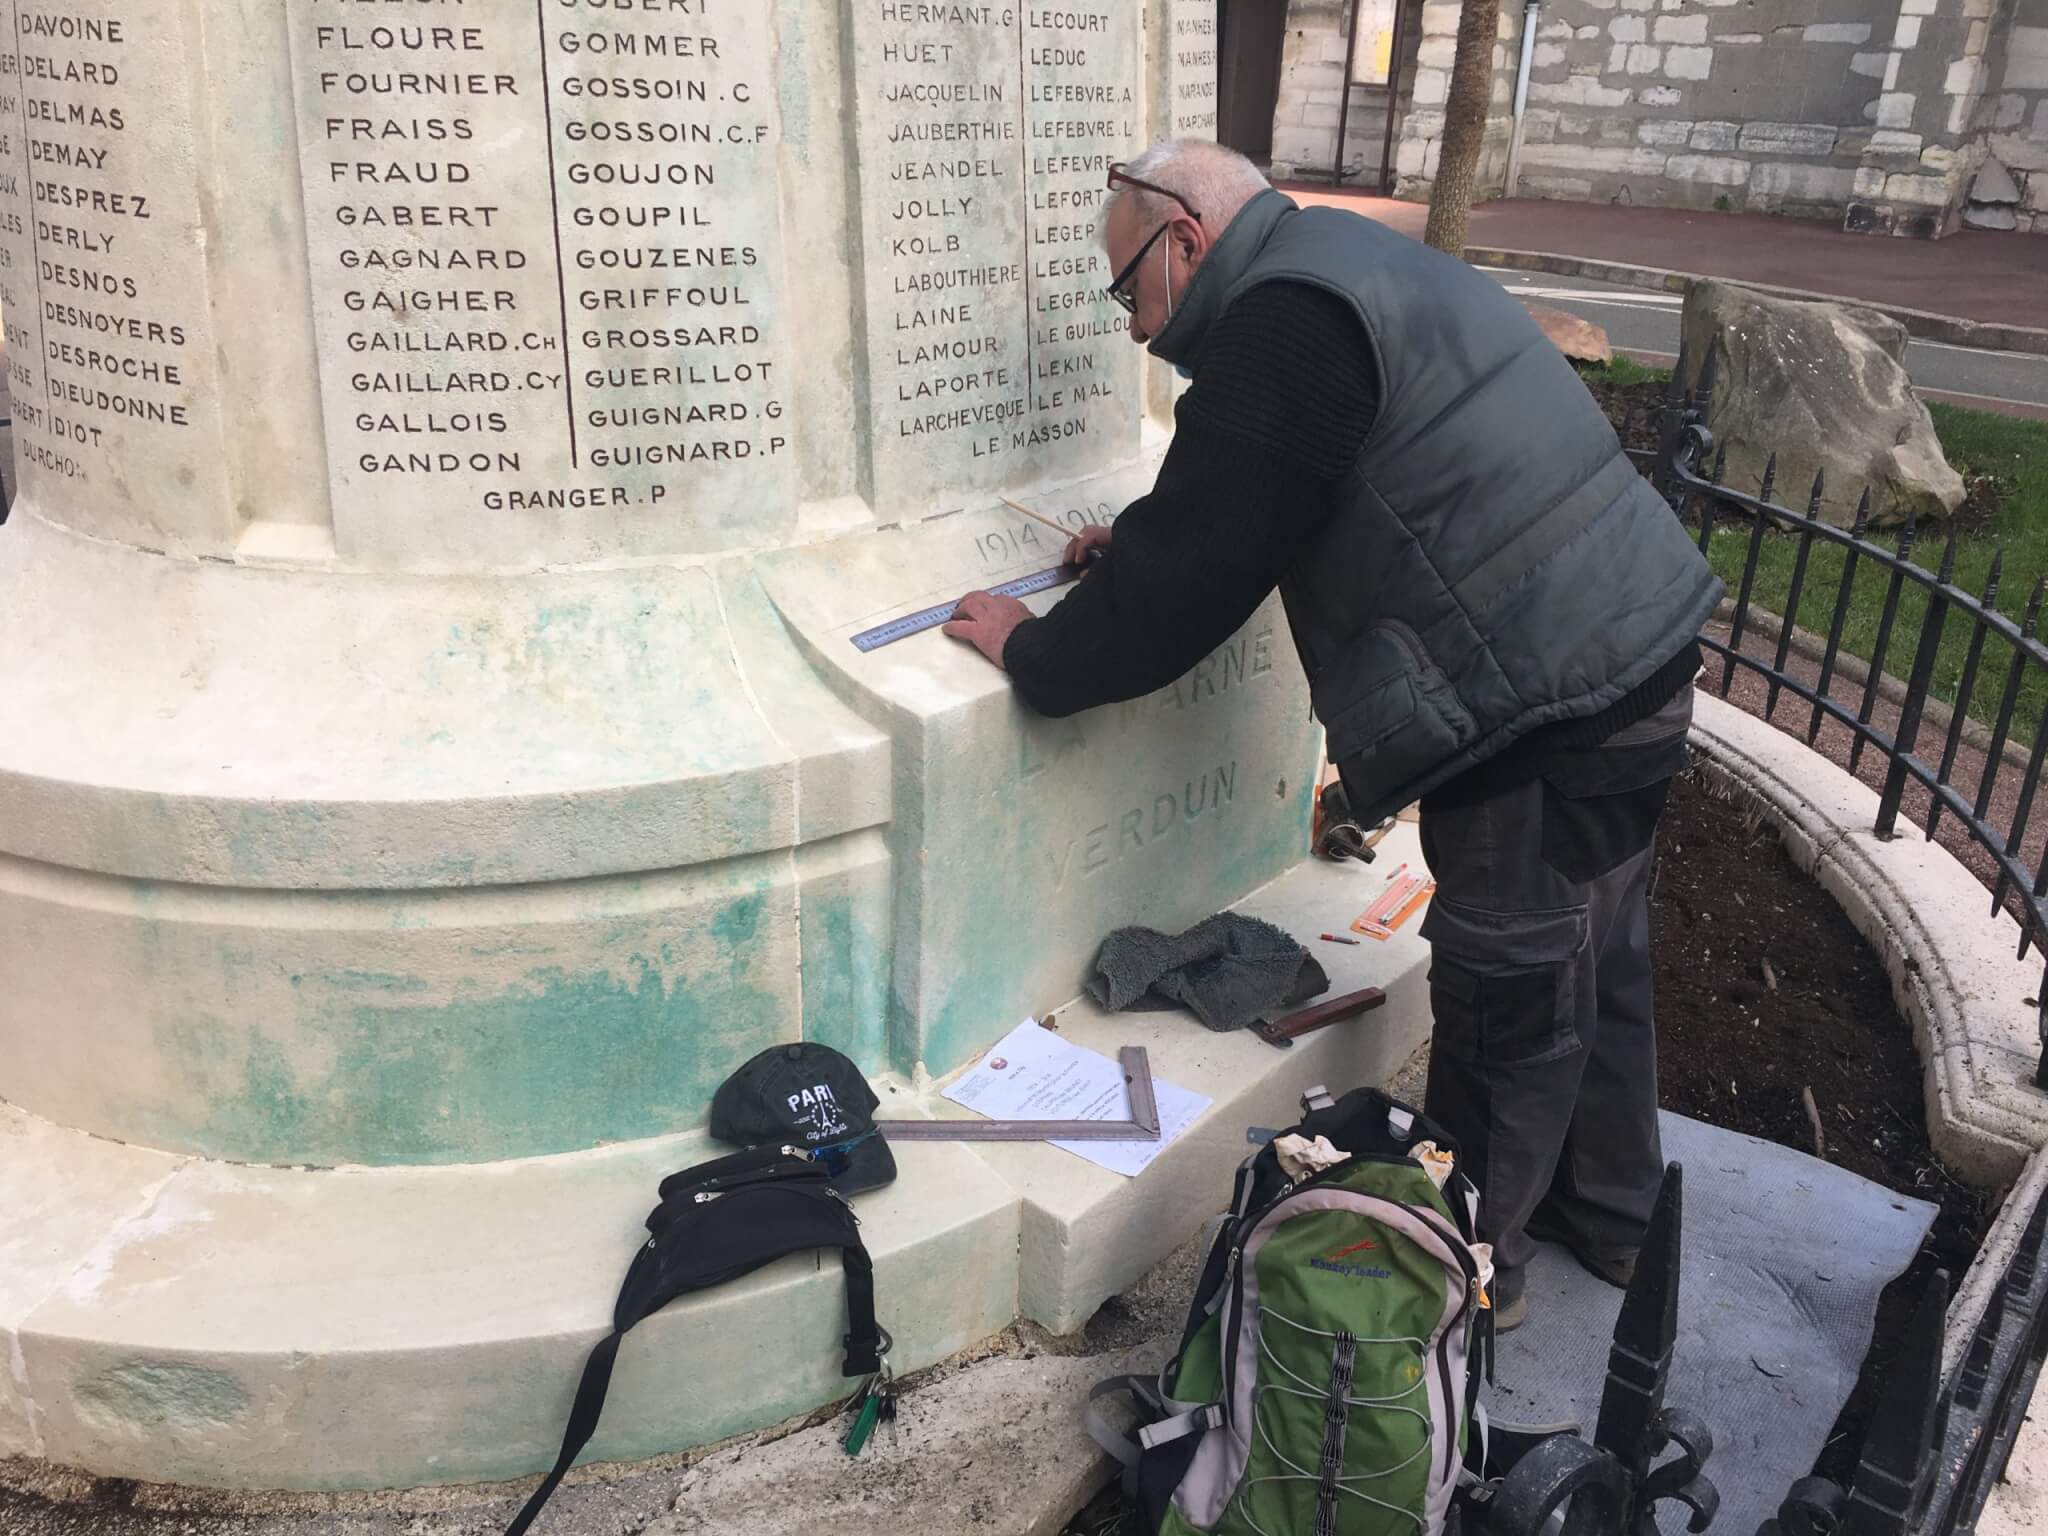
(457, 443)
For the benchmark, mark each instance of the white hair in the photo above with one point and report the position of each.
(1215, 179)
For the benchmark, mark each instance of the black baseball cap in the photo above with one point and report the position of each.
(809, 1096)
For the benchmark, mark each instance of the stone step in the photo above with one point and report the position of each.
(171, 1318)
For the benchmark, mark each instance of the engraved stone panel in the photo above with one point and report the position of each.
(1191, 70)
(995, 358)
(103, 278)
(546, 261)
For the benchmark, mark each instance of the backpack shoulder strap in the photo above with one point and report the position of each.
(1124, 1447)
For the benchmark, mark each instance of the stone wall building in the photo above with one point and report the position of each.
(1883, 114)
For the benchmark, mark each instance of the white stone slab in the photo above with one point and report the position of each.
(430, 1325)
(427, 1325)
(1086, 1232)
(51, 1230)
(204, 726)
(1155, 811)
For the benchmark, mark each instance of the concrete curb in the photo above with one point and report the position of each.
(1952, 330)
(996, 1446)
(1953, 969)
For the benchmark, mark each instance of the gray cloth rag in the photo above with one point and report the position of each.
(1229, 970)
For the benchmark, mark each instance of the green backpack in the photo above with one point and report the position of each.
(1327, 1381)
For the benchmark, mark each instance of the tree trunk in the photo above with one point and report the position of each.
(1471, 97)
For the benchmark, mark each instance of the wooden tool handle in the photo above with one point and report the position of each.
(1350, 1005)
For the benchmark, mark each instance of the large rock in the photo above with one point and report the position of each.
(1578, 339)
(1824, 387)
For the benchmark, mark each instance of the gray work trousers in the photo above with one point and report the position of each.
(1543, 1064)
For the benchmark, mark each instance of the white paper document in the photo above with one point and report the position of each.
(1033, 1074)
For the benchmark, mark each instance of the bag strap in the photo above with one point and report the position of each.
(590, 1392)
(863, 1340)
(862, 1343)
(1123, 1447)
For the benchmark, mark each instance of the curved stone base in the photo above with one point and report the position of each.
(174, 1319)
(331, 866)
(1953, 966)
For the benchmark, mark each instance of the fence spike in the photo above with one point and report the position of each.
(1966, 690)
(1674, 387)
(1907, 1424)
(1919, 682)
(1975, 1373)
(1878, 651)
(2026, 1258)
(1908, 535)
(1706, 389)
(1789, 620)
(1862, 523)
(1948, 560)
(1823, 690)
(2017, 833)
(1770, 478)
(2033, 615)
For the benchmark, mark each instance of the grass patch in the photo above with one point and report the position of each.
(2004, 460)
(1623, 371)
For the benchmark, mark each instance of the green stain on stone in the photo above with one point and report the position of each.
(558, 1061)
(162, 1392)
(375, 981)
(735, 927)
(846, 991)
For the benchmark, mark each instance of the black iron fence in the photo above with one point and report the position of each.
(1950, 1390)
(1993, 805)
(1936, 1442)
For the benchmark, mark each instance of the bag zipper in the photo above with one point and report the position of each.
(1470, 1267)
(774, 1173)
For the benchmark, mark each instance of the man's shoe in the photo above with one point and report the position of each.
(1617, 1272)
(1507, 1318)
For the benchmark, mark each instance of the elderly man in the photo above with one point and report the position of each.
(1498, 617)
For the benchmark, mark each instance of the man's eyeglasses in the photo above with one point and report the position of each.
(1119, 289)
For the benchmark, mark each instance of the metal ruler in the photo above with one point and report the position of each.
(931, 618)
(1143, 1124)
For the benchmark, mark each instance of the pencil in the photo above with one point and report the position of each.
(1039, 517)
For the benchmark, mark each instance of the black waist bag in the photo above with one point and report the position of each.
(716, 1222)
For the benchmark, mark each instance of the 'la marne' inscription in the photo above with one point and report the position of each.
(987, 132)
(544, 236)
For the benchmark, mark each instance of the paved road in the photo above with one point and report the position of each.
(1645, 323)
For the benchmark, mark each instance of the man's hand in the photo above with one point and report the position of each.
(1082, 546)
(984, 620)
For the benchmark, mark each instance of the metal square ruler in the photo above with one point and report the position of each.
(1143, 1124)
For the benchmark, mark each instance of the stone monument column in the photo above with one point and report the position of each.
(457, 442)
